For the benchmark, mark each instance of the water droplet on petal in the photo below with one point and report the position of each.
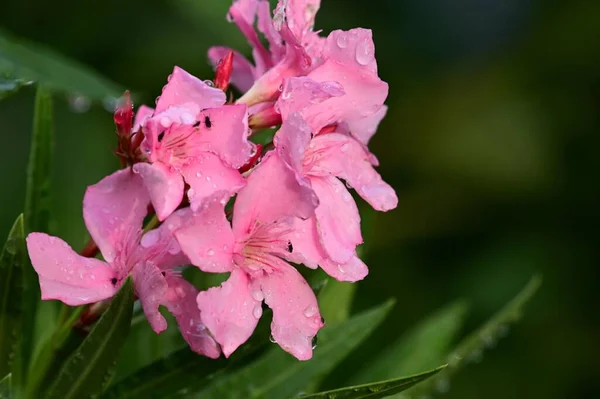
(310, 311)
(364, 52)
(257, 311)
(150, 238)
(272, 339)
(341, 269)
(209, 83)
(257, 295)
(314, 342)
(210, 252)
(198, 174)
(191, 193)
(342, 41)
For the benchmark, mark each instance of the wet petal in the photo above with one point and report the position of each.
(292, 141)
(364, 128)
(186, 89)
(143, 113)
(180, 300)
(243, 14)
(206, 238)
(230, 312)
(352, 270)
(340, 155)
(67, 276)
(338, 220)
(273, 192)
(164, 186)
(209, 176)
(296, 317)
(114, 210)
(150, 287)
(300, 15)
(243, 74)
(224, 131)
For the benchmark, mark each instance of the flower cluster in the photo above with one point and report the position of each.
(186, 159)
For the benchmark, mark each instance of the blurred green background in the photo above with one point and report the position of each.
(490, 142)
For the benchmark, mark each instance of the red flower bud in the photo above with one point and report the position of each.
(223, 73)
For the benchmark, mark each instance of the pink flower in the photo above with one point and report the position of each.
(114, 210)
(192, 138)
(329, 239)
(253, 250)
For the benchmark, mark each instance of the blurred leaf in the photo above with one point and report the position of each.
(10, 85)
(279, 375)
(335, 300)
(5, 387)
(426, 344)
(471, 348)
(375, 390)
(184, 372)
(33, 62)
(88, 369)
(12, 262)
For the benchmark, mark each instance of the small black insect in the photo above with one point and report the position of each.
(196, 124)
(290, 247)
(113, 281)
(207, 122)
(161, 136)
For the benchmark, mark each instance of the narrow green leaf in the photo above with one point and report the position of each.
(12, 263)
(279, 375)
(5, 387)
(471, 348)
(87, 370)
(39, 170)
(34, 62)
(421, 348)
(184, 372)
(335, 301)
(375, 390)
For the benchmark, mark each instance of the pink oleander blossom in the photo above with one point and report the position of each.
(114, 210)
(254, 249)
(330, 238)
(193, 138)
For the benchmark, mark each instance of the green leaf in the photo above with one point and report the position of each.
(34, 62)
(10, 85)
(88, 369)
(39, 170)
(471, 348)
(184, 372)
(37, 215)
(335, 301)
(12, 263)
(423, 347)
(5, 387)
(375, 390)
(279, 375)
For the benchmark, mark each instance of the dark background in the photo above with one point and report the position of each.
(491, 142)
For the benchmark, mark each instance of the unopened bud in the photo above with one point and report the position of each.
(224, 70)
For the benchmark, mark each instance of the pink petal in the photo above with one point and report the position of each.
(207, 240)
(340, 155)
(209, 176)
(164, 186)
(338, 220)
(66, 276)
(243, 74)
(273, 192)
(243, 14)
(300, 15)
(364, 128)
(230, 311)
(296, 317)
(227, 135)
(160, 246)
(306, 96)
(353, 270)
(180, 300)
(296, 62)
(266, 27)
(114, 210)
(292, 140)
(184, 88)
(349, 59)
(151, 287)
(141, 116)
(308, 250)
